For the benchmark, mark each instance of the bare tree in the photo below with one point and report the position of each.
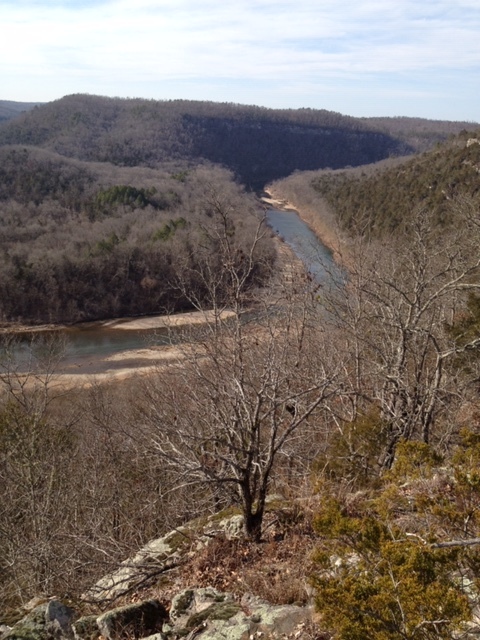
(226, 413)
(35, 455)
(77, 495)
(401, 296)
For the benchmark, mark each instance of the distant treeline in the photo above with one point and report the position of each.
(10, 109)
(256, 143)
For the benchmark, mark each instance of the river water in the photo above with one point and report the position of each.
(316, 257)
(85, 347)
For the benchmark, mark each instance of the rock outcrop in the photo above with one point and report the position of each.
(211, 615)
(51, 620)
(162, 555)
(204, 613)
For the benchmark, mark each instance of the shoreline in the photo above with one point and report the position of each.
(188, 319)
(142, 361)
(139, 323)
(313, 219)
(98, 368)
(121, 366)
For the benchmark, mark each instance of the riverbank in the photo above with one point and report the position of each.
(144, 323)
(318, 218)
(91, 350)
(180, 320)
(119, 366)
(97, 366)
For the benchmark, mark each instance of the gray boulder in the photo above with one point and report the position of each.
(86, 628)
(193, 609)
(133, 621)
(212, 615)
(191, 602)
(49, 621)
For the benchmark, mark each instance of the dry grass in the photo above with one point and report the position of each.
(274, 570)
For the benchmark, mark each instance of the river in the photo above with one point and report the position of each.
(316, 257)
(95, 347)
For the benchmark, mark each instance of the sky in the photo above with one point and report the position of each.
(418, 58)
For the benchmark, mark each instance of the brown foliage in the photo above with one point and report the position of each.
(274, 570)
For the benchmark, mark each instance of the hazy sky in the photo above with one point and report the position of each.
(358, 57)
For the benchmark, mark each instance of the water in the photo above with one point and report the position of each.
(316, 257)
(102, 341)
(79, 349)
(86, 347)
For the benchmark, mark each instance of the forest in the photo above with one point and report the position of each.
(257, 144)
(103, 200)
(353, 402)
(382, 201)
(10, 109)
(83, 241)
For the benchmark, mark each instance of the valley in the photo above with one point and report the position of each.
(329, 419)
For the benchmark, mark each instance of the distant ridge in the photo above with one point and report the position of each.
(10, 109)
(256, 143)
(420, 133)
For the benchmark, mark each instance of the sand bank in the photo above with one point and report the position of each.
(161, 322)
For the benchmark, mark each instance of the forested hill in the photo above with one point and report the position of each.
(257, 144)
(10, 109)
(419, 133)
(382, 198)
(83, 240)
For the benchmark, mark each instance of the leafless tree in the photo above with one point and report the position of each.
(34, 458)
(226, 413)
(394, 314)
(77, 493)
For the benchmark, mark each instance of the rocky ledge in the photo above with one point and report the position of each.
(206, 613)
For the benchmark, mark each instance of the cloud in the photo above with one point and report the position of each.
(127, 42)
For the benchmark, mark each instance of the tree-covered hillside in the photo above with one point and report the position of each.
(382, 200)
(82, 241)
(101, 199)
(419, 133)
(258, 144)
(10, 109)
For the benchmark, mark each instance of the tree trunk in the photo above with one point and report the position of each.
(253, 525)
